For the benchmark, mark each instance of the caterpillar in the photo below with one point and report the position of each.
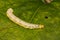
(47, 1)
(20, 22)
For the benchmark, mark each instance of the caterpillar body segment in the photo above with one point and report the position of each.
(20, 22)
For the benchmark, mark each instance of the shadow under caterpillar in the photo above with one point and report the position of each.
(20, 22)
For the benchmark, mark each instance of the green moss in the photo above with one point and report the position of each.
(33, 11)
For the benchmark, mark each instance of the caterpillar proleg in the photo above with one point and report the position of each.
(20, 22)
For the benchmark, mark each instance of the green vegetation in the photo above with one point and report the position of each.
(33, 11)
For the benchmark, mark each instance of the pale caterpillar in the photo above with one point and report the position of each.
(20, 22)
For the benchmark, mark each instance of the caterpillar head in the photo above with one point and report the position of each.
(41, 26)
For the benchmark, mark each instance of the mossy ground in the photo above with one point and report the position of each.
(33, 11)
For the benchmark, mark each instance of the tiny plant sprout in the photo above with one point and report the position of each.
(47, 1)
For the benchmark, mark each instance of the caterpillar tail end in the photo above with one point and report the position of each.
(41, 26)
(10, 10)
